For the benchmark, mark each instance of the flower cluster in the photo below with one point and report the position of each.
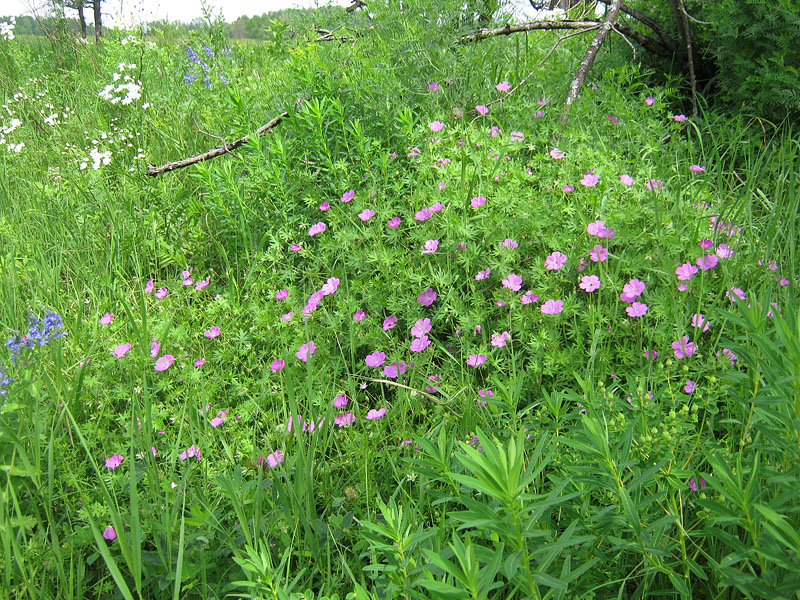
(40, 332)
(191, 76)
(7, 28)
(126, 92)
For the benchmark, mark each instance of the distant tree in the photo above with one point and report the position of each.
(98, 20)
(78, 6)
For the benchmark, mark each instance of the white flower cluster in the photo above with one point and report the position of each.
(7, 29)
(97, 158)
(123, 93)
(8, 130)
(120, 140)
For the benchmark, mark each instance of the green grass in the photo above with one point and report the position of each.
(559, 468)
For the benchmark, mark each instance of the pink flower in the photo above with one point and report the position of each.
(634, 288)
(682, 287)
(696, 168)
(430, 246)
(589, 180)
(325, 206)
(684, 348)
(359, 316)
(569, 188)
(106, 319)
(219, 419)
(376, 359)
(277, 365)
(499, 340)
(783, 281)
(394, 369)
(306, 351)
(495, 131)
(427, 297)
(421, 327)
(513, 282)
(394, 222)
(436, 125)
(435, 208)
(637, 309)
(517, 136)
(330, 286)
(114, 461)
(481, 109)
(389, 323)
(296, 247)
(556, 153)
(626, 180)
(423, 215)
(345, 419)
(275, 458)
(149, 286)
(651, 354)
(613, 119)
(200, 362)
(685, 272)
(705, 244)
(596, 228)
(503, 87)
(155, 348)
(542, 102)
(317, 228)
(340, 401)
(723, 251)
(109, 534)
(706, 262)
(419, 344)
(699, 322)
(509, 243)
(212, 332)
(598, 253)
(366, 214)
(161, 293)
(679, 118)
(693, 484)
(649, 100)
(375, 415)
(555, 261)
(654, 185)
(483, 274)
(286, 317)
(202, 284)
(737, 294)
(476, 360)
(589, 283)
(529, 298)
(478, 201)
(121, 350)
(164, 363)
(348, 195)
(552, 307)
(457, 114)
(433, 86)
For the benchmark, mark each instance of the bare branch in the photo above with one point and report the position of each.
(153, 170)
(508, 29)
(616, 29)
(588, 58)
(426, 394)
(647, 43)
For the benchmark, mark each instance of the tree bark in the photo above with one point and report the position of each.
(98, 21)
(81, 18)
(507, 29)
(588, 58)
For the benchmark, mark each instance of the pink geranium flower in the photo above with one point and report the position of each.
(696, 168)
(114, 461)
(200, 362)
(555, 261)
(120, 350)
(212, 332)
(589, 283)
(275, 458)
(637, 309)
(679, 118)
(634, 288)
(317, 228)
(499, 340)
(281, 294)
(569, 188)
(723, 251)
(366, 214)
(427, 297)
(556, 153)
(476, 360)
(375, 415)
(109, 533)
(202, 284)
(513, 282)
(277, 365)
(389, 323)
(552, 307)
(325, 206)
(359, 316)
(529, 298)
(699, 322)
(478, 201)
(483, 274)
(421, 327)
(423, 215)
(430, 246)
(155, 348)
(481, 109)
(348, 195)
(685, 272)
(376, 359)
(598, 253)
(684, 348)
(433, 86)
(589, 180)
(708, 261)
(394, 369)
(626, 180)
(149, 286)
(503, 87)
(436, 125)
(420, 343)
(161, 293)
(164, 363)
(106, 318)
(394, 222)
(340, 401)
(306, 351)
(649, 100)
(345, 419)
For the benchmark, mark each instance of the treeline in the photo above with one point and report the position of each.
(288, 21)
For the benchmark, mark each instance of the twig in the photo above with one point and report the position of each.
(426, 394)
(616, 29)
(153, 170)
(561, 39)
(588, 58)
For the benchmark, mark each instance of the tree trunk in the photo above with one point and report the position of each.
(81, 18)
(98, 21)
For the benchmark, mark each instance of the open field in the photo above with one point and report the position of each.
(415, 342)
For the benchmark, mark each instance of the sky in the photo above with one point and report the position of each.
(174, 10)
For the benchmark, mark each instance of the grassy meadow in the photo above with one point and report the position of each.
(423, 340)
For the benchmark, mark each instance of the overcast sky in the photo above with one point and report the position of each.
(174, 10)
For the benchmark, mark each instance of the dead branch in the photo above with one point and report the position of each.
(426, 394)
(355, 5)
(627, 41)
(153, 170)
(588, 58)
(647, 43)
(666, 39)
(561, 39)
(508, 29)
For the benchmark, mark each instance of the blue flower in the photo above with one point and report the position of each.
(39, 334)
(192, 55)
(4, 381)
(209, 51)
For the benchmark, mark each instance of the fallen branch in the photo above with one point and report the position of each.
(426, 394)
(153, 170)
(508, 29)
(588, 58)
